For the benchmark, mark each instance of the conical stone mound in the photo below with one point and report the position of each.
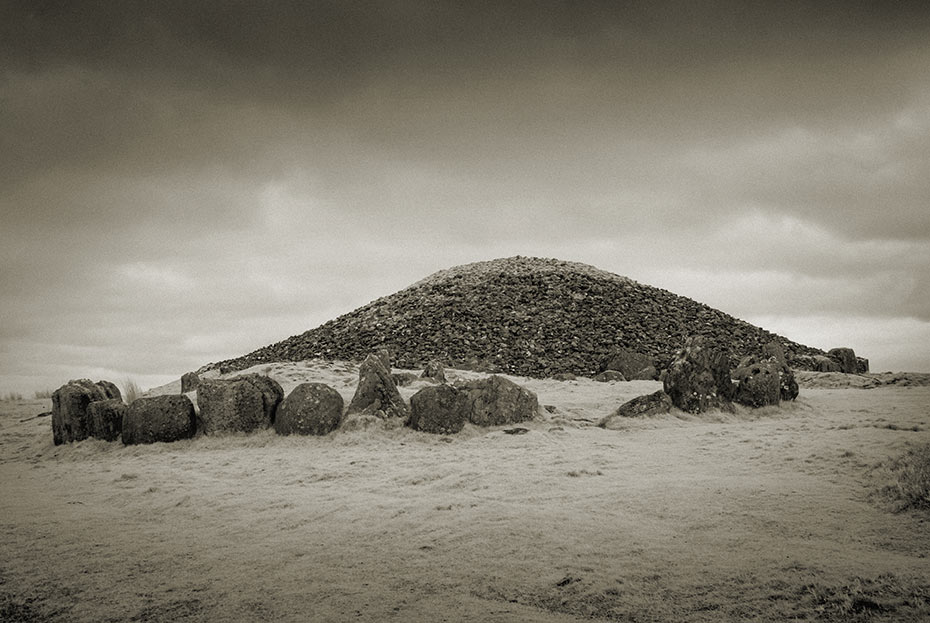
(525, 316)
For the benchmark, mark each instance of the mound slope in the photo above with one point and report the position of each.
(525, 316)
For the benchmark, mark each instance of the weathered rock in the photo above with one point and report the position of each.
(845, 358)
(698, 378)
(788, 385)
(189, 382)
(402, 379)
(110, 390)
(628, 362)
(803, 362)
(823, 363)
(564, 376)
(609, 375)
(759, 384)
(774, 350)
(387, 360)
(310, 409)
(376, 393)
(242, 404)
(435, 370)
(106, 418)
(656, 403)
(862, 365)
(159, 418)
(439, 409)
(70, 403)
(496, 400)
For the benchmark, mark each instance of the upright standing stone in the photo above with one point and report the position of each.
(70, 402)
(698, 378)
(376, 393)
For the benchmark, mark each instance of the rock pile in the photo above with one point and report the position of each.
(523, 316)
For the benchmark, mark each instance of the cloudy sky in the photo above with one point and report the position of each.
(183, 182)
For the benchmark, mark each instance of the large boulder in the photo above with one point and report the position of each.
(106, 418)
(435, 371)
(698, 378)
(845, 359)
(823, 363)
(376, 393)
(189, 382)
(655, 403)
(159, 418)
(862, 365)
(241, 404)
(496, 400)
(310, 409)
(759, 384)
(628, 362)
(438, 409)
(70, 402)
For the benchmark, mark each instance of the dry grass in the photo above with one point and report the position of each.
(43, 394)
(909, 479)
(131, 391)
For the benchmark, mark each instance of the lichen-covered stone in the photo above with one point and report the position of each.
(435, 371)
(106, 418)
(242, 404)
(759, 384)
(439, 409)
(845, 359)
(159, 419)
(655, 403)
(70, 403)
(310, 409)
(496, 400)
(698, 378)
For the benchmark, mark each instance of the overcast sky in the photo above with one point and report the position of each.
(183, 182)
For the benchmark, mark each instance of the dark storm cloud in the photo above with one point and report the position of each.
(184, 181)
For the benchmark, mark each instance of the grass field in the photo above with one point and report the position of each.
(784, 513)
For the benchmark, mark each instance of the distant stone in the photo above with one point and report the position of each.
(439, 409)
(609, 375)
(862, 365)
(70, 402)
(626, 361)
(825, 364)
(402, 379)
(159, 419)
(189, 382)
(656, 403)
(377, 393)
(310, 409)
(759, 384)
(845, 358)
(106, 418)
(242, 404)
(564, 376)
(496, 400)
(698, 378)
(435, 370)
